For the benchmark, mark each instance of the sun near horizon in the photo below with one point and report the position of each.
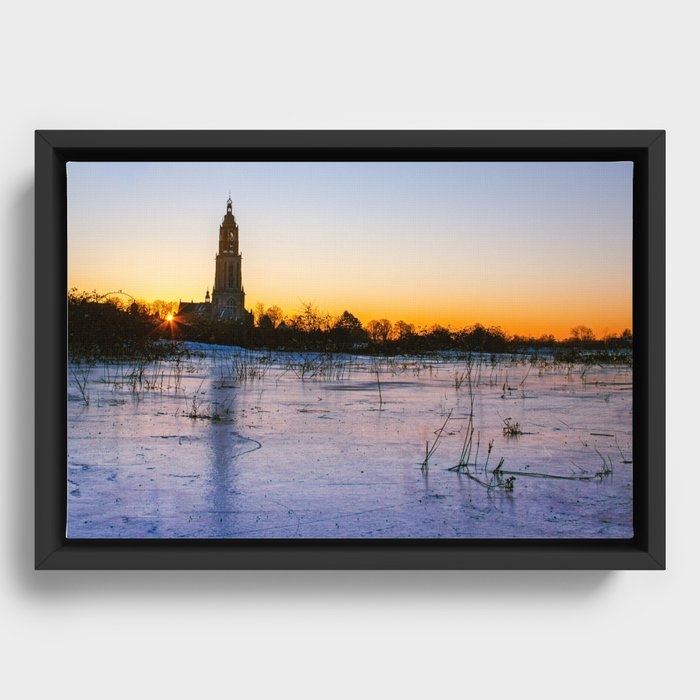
(535, 248)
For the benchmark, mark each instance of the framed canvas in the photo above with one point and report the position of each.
(350, 349)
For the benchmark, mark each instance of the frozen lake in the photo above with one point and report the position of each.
(235, 443)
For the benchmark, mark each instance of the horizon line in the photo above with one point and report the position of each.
(452, 327)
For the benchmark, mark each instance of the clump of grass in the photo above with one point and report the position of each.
(135, 377)
(465, 455)
(497, 480)
(326, 366)
(430, 450)
(332, 367)
(511, 428)
(493, 481)
(246, 366)
(480, 474)
(607, 469)
(81, 375)
(177, 372)
(466, 374)
(195, 408)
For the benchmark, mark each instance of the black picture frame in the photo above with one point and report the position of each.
(646, 550)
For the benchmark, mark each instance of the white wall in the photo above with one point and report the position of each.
(84, 65)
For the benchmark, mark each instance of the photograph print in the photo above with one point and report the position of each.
(349, 350)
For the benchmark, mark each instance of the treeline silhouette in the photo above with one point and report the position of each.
(110, 328)
(100, 327)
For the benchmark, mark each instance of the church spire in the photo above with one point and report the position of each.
(228, 297)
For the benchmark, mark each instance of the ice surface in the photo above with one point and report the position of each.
(282, 449)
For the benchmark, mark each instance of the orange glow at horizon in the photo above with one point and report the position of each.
(519, 318)
(541, 307)
(534, 306)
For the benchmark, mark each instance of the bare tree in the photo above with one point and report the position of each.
(311, 319)
(385, 327)
(379, 331)
(582, 334)
(275, 314)
(258, 312)
(162, 308)
(403, 330)
(372, 328)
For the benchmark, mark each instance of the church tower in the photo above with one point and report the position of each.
(228, 297)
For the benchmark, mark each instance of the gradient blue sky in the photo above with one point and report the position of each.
(533, 247)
